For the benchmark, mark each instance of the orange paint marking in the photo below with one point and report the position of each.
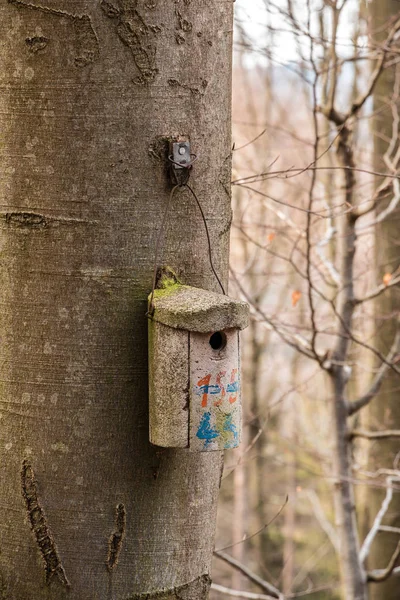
(206, 382)
(220, 375)
(233, 398)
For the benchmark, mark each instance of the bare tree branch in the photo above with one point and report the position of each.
(389, 529)
(382, 574)
(310, 295)
(378, 291)
(357, 405)
(296, 171)
(239, 594)
(359, 103)
(252, 535)
(365, 548)
(322, 519)
(375, 435)
(294, 341)
(264, 585)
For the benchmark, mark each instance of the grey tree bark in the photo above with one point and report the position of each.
(90, 92)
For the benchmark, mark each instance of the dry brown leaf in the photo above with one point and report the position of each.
(271, 237)
(387, 278)
(296, 295)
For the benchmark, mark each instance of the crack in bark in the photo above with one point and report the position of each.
(31, 220)
(117, 537)
(196, 89)
(25, 219)
(87, 38)
(40, 528)
(194, 590)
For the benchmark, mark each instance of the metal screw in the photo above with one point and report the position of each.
(182, 150)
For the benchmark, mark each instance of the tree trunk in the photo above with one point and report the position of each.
(239, 516)
(384, 411)
(89, 509)
(352, 574)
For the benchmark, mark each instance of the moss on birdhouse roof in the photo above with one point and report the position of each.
(195, 309)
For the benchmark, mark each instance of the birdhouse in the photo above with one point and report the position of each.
(194, 368)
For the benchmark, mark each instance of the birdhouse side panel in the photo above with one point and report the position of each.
(168, 386)
(215, 402)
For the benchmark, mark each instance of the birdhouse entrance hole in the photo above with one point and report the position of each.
(217, 340)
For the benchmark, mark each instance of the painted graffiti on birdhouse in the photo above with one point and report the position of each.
(215, 404)
(194, 368)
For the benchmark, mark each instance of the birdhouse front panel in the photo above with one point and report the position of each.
(215, 403)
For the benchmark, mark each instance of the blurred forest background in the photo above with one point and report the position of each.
(310, 503)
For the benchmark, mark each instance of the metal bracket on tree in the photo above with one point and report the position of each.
(181, 161)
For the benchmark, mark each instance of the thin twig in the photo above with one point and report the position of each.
(296, 171)
(378, 291)
(311, 198)
(322, 519)
(359, 103)
(357, 405)
(282, 202)
(264, 585)
(389, 529)
(382, 574)
(302, 348)
(375, 435)
(365, 548)
(239, 594)
(249, 537)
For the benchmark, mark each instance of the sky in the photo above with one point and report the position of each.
(254, 17)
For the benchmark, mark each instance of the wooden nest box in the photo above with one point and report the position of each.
(194, 368)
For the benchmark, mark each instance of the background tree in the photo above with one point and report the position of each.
(384, 412)
(312, 169)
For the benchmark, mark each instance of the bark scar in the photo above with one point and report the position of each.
(36, 43)
(31, 220)
(198, 588)
(197, 89)
(88, 42)
(25, 219)
(40, 528)
(117, 537)
(136, 35)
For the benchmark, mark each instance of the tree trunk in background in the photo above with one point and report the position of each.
(384, 411)
(291, 426)
(239, 516)
(87, 99)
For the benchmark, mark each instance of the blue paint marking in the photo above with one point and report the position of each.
(206, 431)
(214, 389)
(231, 388)
(208, 389)
(229, 426)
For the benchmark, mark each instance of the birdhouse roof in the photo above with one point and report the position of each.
(195, 309)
